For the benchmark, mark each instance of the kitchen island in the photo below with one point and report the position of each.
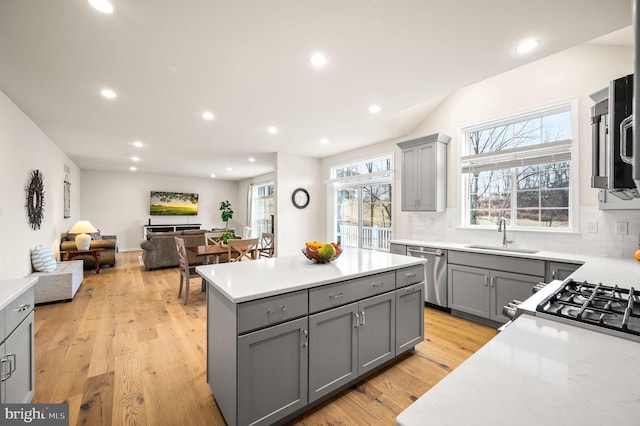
(284, 334)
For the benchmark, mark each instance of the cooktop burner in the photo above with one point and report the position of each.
(611, 308)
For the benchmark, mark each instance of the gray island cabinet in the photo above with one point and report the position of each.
(284, 334)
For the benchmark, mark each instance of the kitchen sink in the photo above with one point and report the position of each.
(498, 248)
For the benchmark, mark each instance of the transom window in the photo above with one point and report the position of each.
(520, 169)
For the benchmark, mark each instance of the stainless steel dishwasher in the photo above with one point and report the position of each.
(435, 275)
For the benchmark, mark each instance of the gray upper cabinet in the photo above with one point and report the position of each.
(424, 173)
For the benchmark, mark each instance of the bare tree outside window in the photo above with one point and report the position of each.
(535, 194)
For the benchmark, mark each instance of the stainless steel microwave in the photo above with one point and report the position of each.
(612, 139)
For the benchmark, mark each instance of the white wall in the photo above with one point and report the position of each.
(23, 148)
(118, 203)
(295, 226)
(574, 73)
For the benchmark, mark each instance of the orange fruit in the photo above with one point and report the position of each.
(638, 255)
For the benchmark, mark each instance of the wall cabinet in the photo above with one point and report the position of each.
(424, 173)
(482, 292)
(17, 371)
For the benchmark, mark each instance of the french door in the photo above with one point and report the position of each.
(363, 217)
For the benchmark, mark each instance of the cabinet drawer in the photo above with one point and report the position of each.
(272, 310)
(18, 310)
(332, 295)
(408, 276)
(517, 265)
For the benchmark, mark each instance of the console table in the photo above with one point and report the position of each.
(95, 253)
(169, 228)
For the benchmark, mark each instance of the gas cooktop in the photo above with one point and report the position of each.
(603, 308)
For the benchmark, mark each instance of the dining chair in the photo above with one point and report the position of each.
(213, 238)
(267, 246)
(242, 249)
(186, 272)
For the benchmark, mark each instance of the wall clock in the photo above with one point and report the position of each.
(35, 199)
(300, 198)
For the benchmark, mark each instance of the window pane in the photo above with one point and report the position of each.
(555, 198)
(557, 218)
(528, 199)
(527, 178)
(556, 127)
(347, 216)
(527, 133)
(363, 168)
(528, 217)
(555, 175)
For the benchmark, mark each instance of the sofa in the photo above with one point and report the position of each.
(159, 249)
(108, 244)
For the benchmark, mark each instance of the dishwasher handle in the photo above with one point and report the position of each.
(420, 250)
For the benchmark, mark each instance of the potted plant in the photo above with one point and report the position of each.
(227, 212)
(226, 237)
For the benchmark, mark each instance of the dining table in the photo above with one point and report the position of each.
(214, 250)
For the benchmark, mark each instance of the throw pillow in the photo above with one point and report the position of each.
(43, 260)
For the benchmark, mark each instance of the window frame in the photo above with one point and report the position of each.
(572, 106)
(358, 181)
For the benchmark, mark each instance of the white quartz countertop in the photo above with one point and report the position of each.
(10, 289)
(244, 281)
(537, 372)
(624, 272)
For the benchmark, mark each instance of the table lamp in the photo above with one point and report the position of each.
(83, 228)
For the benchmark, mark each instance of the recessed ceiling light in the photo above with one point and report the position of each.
(527, 46)
(213, 176)
(251, 159)
(103, 6)
(374, 109)
(133, 169)
(138, 144)
(324, 141)
(318, 59)
(273, 130)
(135, 159)
(207, 115)
(229, 169)
(108, 93)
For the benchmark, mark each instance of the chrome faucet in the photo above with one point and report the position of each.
(502, 227)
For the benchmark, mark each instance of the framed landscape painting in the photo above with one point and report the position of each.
(173, 204)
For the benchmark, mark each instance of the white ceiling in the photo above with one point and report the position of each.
(248, 63)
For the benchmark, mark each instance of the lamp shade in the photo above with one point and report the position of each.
(83, 228)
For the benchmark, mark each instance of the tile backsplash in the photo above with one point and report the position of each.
(596, 236)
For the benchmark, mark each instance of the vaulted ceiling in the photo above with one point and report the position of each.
(248, 63)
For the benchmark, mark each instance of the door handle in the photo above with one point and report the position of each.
(486, 281)
(356, 320)
(493, 281)
(306, 338)
(361, 317)
(625, 125)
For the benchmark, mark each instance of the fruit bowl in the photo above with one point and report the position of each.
(314, 253)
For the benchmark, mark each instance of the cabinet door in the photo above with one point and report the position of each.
(333, 337)
(469, 289)
(272, 372)
(506, 287)
(19, 350)
(377, 331)
(398, 249)
(410, 179)
(427, 177)
(560, 270)
(409, 317)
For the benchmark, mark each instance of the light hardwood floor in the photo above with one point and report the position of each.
(127, 351)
